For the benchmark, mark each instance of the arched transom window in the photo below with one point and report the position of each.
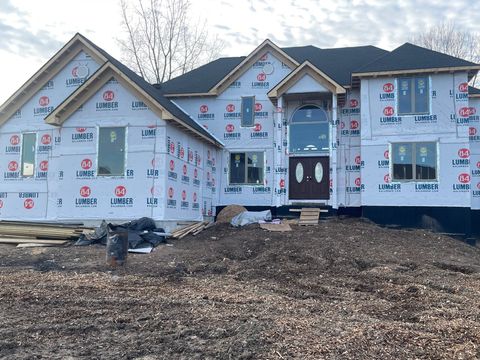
(309, 130)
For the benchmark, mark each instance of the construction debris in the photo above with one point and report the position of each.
(309, 216)
(276, 227)
(142, 234)
(229, 212)
(251, 217)
(17, 232)
(193, 229)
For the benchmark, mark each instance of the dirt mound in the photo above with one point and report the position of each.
(229, 212)
(345, 289)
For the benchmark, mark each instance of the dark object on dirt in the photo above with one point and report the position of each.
(142, 224)
(228, 212)
(98, 235)
(140, 234)
(154, 239)
(117, 248)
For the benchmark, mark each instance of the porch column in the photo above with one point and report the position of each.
(333, 153)
(279, 177)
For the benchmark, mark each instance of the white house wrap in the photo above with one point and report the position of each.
(391, 135)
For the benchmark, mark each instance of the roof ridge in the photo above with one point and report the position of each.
(373, 61)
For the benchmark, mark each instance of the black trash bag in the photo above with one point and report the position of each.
(98, 236)
(154, 239)
(117, 247)
(138, 232)
(142, 224)
(134, 240)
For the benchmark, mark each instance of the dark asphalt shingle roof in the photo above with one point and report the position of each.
(473, 90)
(412, 57)
(338, 63)
(155, 93)
(202, 79)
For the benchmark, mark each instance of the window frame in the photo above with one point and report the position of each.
(413, 98)
(34, 155)
(245, 153)
(253, 111)
(125, 151)
(414, 161)
(290, 123)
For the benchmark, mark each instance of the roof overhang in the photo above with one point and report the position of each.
(306, 68)
(90, 87)
(254, 56)
(69, 51)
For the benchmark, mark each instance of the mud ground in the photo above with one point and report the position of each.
(345, 289)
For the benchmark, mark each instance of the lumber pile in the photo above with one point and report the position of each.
(39, 233)
(193, 229)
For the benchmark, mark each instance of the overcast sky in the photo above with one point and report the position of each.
(31, 31)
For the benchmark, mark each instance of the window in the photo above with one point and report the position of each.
(111, 151)
(248, 111)
(246, 168)
(415, 161)
(413, 95)
(309, 130)
(28, 154)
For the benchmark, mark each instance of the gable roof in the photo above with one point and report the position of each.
(412, 58)
(338, 63)
(52, 67)
(154, 98)
(298, 73)
(247, 62)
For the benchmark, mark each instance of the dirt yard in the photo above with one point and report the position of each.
(345, 289)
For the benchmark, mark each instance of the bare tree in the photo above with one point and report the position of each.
(162, 41)
(449, 38)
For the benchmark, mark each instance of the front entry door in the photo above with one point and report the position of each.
(309, 178)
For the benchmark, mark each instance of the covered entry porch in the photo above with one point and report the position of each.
(307, 100)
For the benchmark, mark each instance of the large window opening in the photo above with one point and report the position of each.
(415, 161)
(309, 130)
(247, 168)
(413, 95)
(111, 151)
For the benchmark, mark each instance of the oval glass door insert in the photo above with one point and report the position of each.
(299, 172)
(318, 172)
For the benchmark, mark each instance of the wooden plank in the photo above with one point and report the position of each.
(32, 240)
(198, 230)
(30, 245)
(276, 227)
(210, 225)
(309, 215)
